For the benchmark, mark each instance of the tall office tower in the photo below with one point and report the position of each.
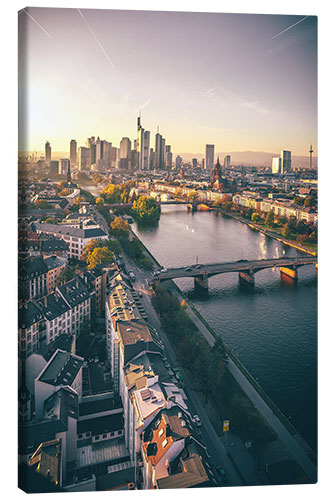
(99, 149)
(54, 167)
(158, 150)
(209, 156)
(47, 153)
(163, 153)
(146, 149)
(311, 152)
(203, 163)
(140, 143)
(226, 162)
(107, 153)
(114, 157)
(194, 162)
(84, 158)
(91, 140)
(63, 166)
(179, 161)
(151, 159)
(168, 155)
(134, 159)
(285, 162)
(125, 148)
(276, 165)
(72, 152)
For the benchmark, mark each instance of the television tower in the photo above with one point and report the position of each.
(311, 151)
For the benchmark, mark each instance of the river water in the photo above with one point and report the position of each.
(273, 328)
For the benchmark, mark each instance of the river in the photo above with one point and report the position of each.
(273, 328)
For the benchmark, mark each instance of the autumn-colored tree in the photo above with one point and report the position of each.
(99, 200)
(146, 210)
(64, 192)
(120, 227)
(99, 256)
(193, 196)
(255, 217)
(112, 245)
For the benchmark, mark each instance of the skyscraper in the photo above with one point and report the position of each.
(146, 149)
(209, 156)
(73, 152)
(63, 166)
(47, 153)
(226, 162)
(276, 165)
(125, 148)
(160, 151)
(168, 155)
(140, 143)
(84, 158)
(285, 162)
(195, 162)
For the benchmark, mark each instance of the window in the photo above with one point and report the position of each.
(165, 442)
(105, 436)
(161, 432)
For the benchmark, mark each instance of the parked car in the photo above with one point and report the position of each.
(197, 420)
(164, 270)
(198, 266)
(188, 269)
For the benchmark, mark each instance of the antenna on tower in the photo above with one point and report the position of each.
(158, 129)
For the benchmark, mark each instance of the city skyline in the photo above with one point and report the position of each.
(193, 107)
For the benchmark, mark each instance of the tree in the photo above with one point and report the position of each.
(146, 210)
(255, 217)
(64, 192)
(193, 196)
(120, 227)
(50, 220)
(99, 200)
(111, 245)
(40, 204)
(286, 231)
(99, 256)
(269, 221)
(310, 201)
(66, 274)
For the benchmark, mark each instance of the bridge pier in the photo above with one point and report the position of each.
(247, 276)
(201, 281)
(289, 271)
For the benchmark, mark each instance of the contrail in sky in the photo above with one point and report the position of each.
(287, 29)
(39, 26)
(95, 37)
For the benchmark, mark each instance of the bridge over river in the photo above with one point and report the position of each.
(245, 268)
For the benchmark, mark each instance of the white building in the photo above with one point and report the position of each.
(76, 238)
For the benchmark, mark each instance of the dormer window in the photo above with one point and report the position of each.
(165, 442)
(161, 432)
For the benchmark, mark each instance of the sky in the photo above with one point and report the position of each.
(239, 81)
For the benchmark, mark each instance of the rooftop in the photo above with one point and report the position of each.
(114, 449)
(52, 306)
(71, 231)
(62, 369)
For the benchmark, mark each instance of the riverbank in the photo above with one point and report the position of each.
(267, 232)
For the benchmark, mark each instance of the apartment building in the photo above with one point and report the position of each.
(77, 238)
